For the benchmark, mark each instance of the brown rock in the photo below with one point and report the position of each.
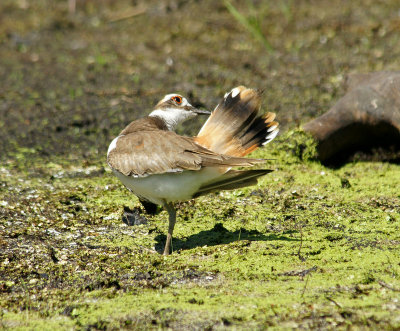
(367, 116)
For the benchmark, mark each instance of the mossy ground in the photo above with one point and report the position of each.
(309, 247)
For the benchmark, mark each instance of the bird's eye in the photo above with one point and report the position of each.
(177, 99)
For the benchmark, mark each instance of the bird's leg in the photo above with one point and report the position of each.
(172, 219)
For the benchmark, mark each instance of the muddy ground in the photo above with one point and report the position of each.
(309, 247)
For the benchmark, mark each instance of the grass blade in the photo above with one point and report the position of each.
(251, 25)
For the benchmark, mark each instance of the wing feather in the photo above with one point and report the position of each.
(144, 153)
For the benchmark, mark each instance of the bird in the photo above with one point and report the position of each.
(163, 168)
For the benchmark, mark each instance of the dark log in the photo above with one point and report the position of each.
(367, 116)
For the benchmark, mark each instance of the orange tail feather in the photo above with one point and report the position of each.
(236, 127)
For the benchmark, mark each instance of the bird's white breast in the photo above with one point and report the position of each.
(169, 187)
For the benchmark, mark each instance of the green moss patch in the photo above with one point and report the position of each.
(297, 250)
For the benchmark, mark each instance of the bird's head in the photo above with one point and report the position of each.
(174, 109)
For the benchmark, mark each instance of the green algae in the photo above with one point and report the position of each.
(298, 250)
(309, 247)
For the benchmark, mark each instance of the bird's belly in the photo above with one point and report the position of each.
(169, 187)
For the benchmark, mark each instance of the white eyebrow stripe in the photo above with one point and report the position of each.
(171, 95)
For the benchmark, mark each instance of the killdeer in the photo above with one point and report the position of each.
(162, 167)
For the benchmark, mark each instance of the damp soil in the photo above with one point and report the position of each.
(309, 247)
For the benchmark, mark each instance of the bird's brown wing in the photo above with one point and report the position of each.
(154, 152)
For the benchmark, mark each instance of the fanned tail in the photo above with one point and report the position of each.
(236, 126)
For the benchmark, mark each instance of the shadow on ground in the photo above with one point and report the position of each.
(218, 235)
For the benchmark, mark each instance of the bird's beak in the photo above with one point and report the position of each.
(200, 111)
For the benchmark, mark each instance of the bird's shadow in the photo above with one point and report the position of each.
(217, 236)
